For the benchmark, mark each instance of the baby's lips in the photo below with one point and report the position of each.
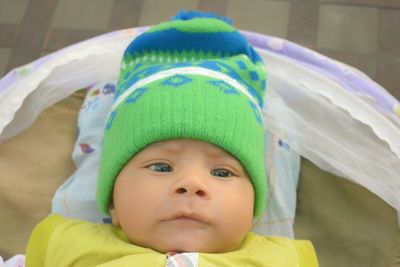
(183, 215)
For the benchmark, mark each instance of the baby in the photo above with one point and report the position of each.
(182, 172)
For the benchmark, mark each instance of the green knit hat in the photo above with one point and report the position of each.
(193, 77)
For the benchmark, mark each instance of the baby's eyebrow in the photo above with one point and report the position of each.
(216, 154)
(168, 148)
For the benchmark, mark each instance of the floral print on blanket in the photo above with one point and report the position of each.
(76, 198)
(86, 148)
(94, 97)
(93, 102)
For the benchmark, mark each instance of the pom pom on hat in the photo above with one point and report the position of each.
(191, 14)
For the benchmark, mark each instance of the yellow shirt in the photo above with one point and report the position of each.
(59, 242)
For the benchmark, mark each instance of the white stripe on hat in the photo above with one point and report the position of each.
(185, 70)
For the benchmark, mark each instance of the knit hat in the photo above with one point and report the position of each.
(193, 77)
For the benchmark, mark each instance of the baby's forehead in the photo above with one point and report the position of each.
(183, 144)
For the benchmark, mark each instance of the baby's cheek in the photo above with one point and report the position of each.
(245, 195)
(244, 206)
(237, 203)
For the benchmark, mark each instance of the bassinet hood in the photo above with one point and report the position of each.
(327, 111)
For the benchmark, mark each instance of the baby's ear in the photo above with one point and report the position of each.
(114, 215)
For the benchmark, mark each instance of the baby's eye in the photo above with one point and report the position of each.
(221, 173)
(160, 167)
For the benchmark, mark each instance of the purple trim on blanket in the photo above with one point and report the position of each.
(326, 67)
(309, 59)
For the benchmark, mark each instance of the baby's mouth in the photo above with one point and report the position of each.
(185, 218)
(188, 217)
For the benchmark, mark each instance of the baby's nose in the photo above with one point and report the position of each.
(188, 190)
(191, 185)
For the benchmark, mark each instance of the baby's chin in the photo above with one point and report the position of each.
(189, 239)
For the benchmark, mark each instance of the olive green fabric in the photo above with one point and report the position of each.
(348, 225)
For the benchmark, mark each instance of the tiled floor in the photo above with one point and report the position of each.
(362, 33)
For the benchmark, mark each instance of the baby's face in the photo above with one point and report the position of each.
(184, 195)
